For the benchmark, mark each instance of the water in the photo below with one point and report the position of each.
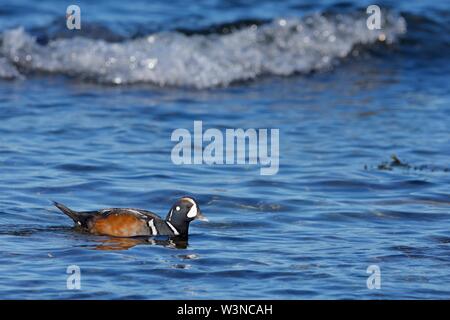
(84, 123)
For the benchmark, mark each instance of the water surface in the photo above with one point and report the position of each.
(86, 120)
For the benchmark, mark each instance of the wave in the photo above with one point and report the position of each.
(279, 47)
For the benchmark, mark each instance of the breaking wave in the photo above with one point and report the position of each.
(173, 58)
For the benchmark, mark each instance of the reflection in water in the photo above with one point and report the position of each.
(127, 243)
(111, 243)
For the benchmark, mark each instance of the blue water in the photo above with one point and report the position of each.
(86, 118)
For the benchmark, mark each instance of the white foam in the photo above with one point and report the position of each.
(8, 70)
(282, 47)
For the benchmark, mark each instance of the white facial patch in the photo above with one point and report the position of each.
(193, 211)
(177, 208)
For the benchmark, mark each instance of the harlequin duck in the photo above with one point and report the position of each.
(125, 222)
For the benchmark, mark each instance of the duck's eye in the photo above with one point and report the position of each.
(177, 208)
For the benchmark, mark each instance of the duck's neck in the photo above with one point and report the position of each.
(182, 229)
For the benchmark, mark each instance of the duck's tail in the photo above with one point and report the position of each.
(75, 216)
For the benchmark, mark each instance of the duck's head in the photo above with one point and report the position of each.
(183, 212)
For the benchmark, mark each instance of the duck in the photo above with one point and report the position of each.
(129, 222)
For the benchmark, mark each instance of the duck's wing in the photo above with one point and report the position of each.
(120, 222)
(128, 211)
(82, 217)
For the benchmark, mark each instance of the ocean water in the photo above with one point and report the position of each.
(86, 118)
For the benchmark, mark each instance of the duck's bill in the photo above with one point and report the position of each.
(200, 216)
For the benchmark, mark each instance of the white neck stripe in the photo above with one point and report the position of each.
(175, 231)
(151, 224)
